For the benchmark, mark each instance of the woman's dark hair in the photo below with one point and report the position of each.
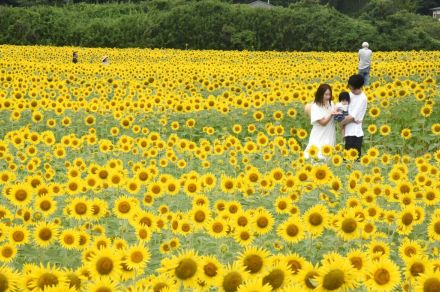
(319, 95)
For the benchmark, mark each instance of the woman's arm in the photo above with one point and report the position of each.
(325, 120)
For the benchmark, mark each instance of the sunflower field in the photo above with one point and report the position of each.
(170, 170)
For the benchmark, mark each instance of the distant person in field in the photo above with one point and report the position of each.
(75, 57)
(364, 67)
(356, 111)
(105, 60)
(321, 118)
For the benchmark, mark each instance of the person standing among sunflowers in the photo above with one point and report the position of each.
(321, 118)
(356, 112)
(364, 56)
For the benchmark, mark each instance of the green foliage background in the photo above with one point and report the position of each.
(303, 25)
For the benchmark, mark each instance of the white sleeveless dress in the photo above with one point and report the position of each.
(321, 135)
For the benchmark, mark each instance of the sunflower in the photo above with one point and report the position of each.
(9, 279)
(409, 248)
(20, 194)
(254, 285)
(307, 277)
(380, 248)
(368, 230)
(116, 178)
(434, 229)
(233, 277)
(211, 271)
(103, 284)
(7, 252)
(282, 204)
(435, 128)
(313, 151)
(253, 175)
(143, 218)
(337, 160)
(89, 120)
(98, 209)
(406, 134)
(278, 275)
(74, 186)
(431, 197)
(45, 204)
(80, 208)
(185, 267)
(417, 265)
(302, 134)
(59, 152)
(385, 130)
(316, 219)
(291, 230)
(351, 154)
(321, 174)
(69, 239)
(136, 257)
(6, 177)
(199, 215)
(74, 280)
(228, 184)
(236, 128)
(374, 112)
(406, 221)
(426, 111)
(358, 260)
(45, 233)
(159, 283)
(295, 263)
(192, 187)
(262, 221)
(18, 235)
(258, 116)
(124, 207)
(428, 282)
(372, 129)
(277, 174)
(106, 263)
(254, 260)
(132, 186)
(383, 275)
(243, 236)
(46, 277)
(336, 275)
(37, 116)
(348, 225)
(217, 227)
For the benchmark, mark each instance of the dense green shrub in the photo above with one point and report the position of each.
(217, 25)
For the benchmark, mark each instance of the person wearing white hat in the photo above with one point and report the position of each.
(364, 67)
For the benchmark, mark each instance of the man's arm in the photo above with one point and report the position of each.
(348, 119)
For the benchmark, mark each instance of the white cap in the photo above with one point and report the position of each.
(365, 45)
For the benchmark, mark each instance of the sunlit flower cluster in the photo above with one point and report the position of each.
(184, 171)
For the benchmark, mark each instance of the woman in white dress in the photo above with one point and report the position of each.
(321, 118)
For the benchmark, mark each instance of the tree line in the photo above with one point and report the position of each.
(344, 6)
(215, 24)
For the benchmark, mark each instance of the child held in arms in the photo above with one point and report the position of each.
(342, 108)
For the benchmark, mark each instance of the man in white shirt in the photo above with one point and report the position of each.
(356, 112)
(364, 56)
